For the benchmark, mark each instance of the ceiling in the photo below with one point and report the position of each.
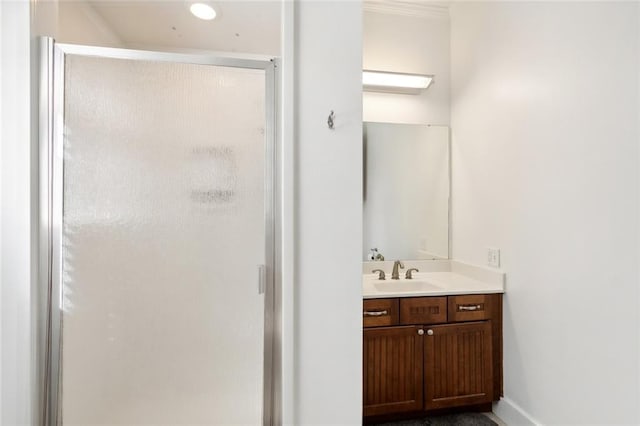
(244, 26)
(241, 26)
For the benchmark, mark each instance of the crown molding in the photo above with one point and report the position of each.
(415, 8)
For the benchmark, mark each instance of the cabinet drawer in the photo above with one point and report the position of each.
(472, 307)
(423, 310)
(379, 312)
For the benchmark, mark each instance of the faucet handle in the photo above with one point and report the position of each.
(380, 272)
(408, 275)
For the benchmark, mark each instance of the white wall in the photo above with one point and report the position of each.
(328, 213)
(17, 365)
(411, 44)
(545, 166)
(72, 21)
(79, 23)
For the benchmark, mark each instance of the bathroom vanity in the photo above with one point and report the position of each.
(432, 340)
(431, 343)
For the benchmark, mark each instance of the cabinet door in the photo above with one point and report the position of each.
(393, 370)
(458, 368)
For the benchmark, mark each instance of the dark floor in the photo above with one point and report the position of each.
(466, 419)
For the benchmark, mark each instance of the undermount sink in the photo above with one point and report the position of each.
(405, 286)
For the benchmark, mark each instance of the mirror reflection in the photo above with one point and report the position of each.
(406, 191)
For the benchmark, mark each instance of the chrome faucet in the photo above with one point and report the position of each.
(380, 273)
(394, 274)
(408, 275)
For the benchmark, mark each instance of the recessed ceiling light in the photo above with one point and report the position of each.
(203, 11)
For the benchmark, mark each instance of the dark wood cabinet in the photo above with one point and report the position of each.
(393, 370)
(458, 365)
(423, 310)
(437, 353)
(379, 312)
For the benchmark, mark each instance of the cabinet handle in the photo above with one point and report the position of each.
(421, 332)
(469, 307)
(374, 313)
(429, 332)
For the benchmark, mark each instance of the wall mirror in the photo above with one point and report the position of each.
(406, 191)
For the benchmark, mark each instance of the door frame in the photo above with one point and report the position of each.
(51, 108)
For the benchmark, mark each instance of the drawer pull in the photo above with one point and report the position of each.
(469, 307)
(375, 313)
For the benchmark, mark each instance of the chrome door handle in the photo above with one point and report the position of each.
(469, 307)
(374, 313)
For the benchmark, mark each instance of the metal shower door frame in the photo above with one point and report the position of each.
(51, 180)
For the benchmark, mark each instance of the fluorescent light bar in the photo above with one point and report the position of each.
(387, 81)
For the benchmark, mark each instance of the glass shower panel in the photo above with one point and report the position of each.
(163, 232)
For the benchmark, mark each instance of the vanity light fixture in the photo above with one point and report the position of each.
(203, 10)
(395, 82)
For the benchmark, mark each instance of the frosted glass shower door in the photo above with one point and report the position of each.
(165, 221)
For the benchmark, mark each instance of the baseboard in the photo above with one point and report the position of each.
(512, 414)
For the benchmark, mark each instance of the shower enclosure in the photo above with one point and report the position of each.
(158, 237)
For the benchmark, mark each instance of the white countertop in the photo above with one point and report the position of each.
(441, 283)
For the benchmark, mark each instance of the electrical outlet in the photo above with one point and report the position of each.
(493, 257)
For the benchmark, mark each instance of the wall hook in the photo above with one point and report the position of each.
(330, 120)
